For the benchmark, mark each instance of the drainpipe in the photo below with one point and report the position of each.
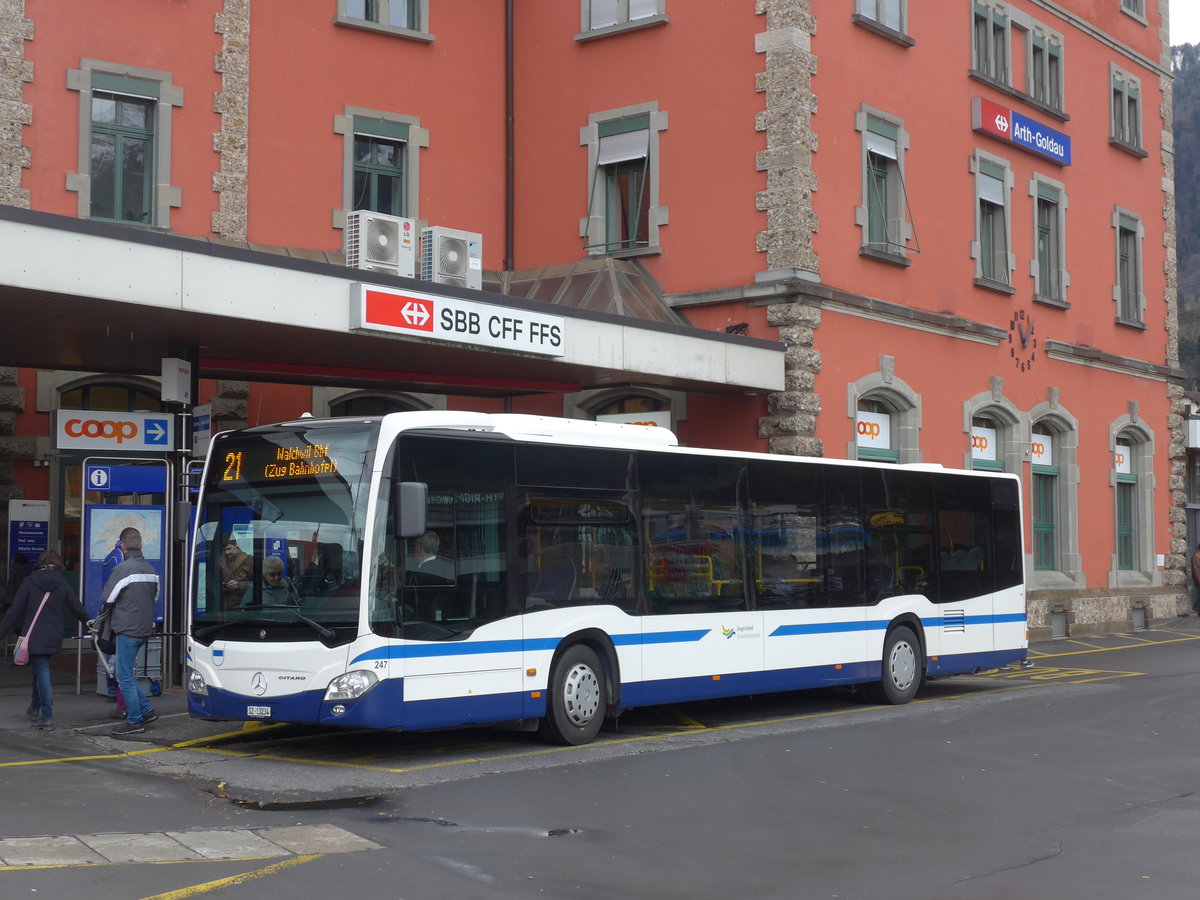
(509, 175)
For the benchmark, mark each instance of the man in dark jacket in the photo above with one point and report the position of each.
(128, 600)
(39, 611)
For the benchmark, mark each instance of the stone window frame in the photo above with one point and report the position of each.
(1053, 47)
(593, 228)
(873, 14)
(1131, 429)
(342, 17)
(1041, 187)
(169, 96)
(1129, 222)
(1068, 572)
(1135, 9)
(979, 164)
(998, 16)
(1126, 94)
(358, 120)
(583, 404)
(900, 229)
(1010, 430)
(624, 23)
(325, 398)
(903, 403)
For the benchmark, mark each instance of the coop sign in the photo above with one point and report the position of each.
(433, 317)
(1029, 134)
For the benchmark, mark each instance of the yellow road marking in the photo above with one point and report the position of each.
(1179, 640)
(210, 886)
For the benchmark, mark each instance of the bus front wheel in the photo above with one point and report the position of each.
(901, 676)
(578, 698)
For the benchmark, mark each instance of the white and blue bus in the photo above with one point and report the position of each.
(428, 570)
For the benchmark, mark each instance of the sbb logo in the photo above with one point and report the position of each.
(868, 429)
(979, 442)
(95, 428)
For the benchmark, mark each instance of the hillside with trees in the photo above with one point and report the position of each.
(1186, 59)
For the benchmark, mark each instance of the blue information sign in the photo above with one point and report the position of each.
(1041, 139)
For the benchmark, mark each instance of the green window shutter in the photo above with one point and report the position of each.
(621, 126)
(396, 131)
(123, 84)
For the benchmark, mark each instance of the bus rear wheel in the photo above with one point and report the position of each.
(578, 698)
(901, 676)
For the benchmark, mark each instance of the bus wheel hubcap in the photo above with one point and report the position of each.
(904, 665)
(581, 695)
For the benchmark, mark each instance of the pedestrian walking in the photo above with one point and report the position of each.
(1196, 580)
(127, 610)
(40, 607)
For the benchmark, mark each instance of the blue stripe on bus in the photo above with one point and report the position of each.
(516, 645)
(385, 707)
(882, 624)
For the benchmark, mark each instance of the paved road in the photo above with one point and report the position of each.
(1075, 778)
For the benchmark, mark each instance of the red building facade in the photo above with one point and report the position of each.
(957, 222)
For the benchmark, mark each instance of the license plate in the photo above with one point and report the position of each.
(258, 712)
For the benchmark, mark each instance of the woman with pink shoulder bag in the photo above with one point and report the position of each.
(40, 606)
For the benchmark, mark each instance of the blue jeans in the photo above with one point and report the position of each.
(42, 701)
(135, 701)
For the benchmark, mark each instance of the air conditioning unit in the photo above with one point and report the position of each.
(453, 257)
(381, 243)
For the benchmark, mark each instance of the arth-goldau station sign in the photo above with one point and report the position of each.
(429, 316)
(1009, 125)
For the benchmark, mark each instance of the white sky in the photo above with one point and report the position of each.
(1185, 21)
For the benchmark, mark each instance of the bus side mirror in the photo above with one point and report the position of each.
(408, 508)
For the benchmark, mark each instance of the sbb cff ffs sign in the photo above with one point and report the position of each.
(89, 429)
(451, 319)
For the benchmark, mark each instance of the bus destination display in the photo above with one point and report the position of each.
(273, 463)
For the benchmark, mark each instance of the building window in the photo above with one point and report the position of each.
(607, 16)
(404, 18)
(1044, 69)
(1044, 500)
(885, 215)
(1132, 444)
(990, 45)
(1135, 8)
(1048, 269)
(623, 210)
(380, 162)
(1126, 115)
(111, 397)
(1126, 513)
(874, 432)
(379, 175)
(122, 168)
(986, 451)
(889, 14)
(124, 143)
(1127, 292)
(993, 262)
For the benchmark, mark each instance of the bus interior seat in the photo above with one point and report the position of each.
(556, 578)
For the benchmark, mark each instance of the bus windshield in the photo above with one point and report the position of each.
(280, 533)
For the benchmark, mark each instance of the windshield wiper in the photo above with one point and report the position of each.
(315, 626)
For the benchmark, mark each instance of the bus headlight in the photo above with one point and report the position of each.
(196, 684)
(351, 686)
